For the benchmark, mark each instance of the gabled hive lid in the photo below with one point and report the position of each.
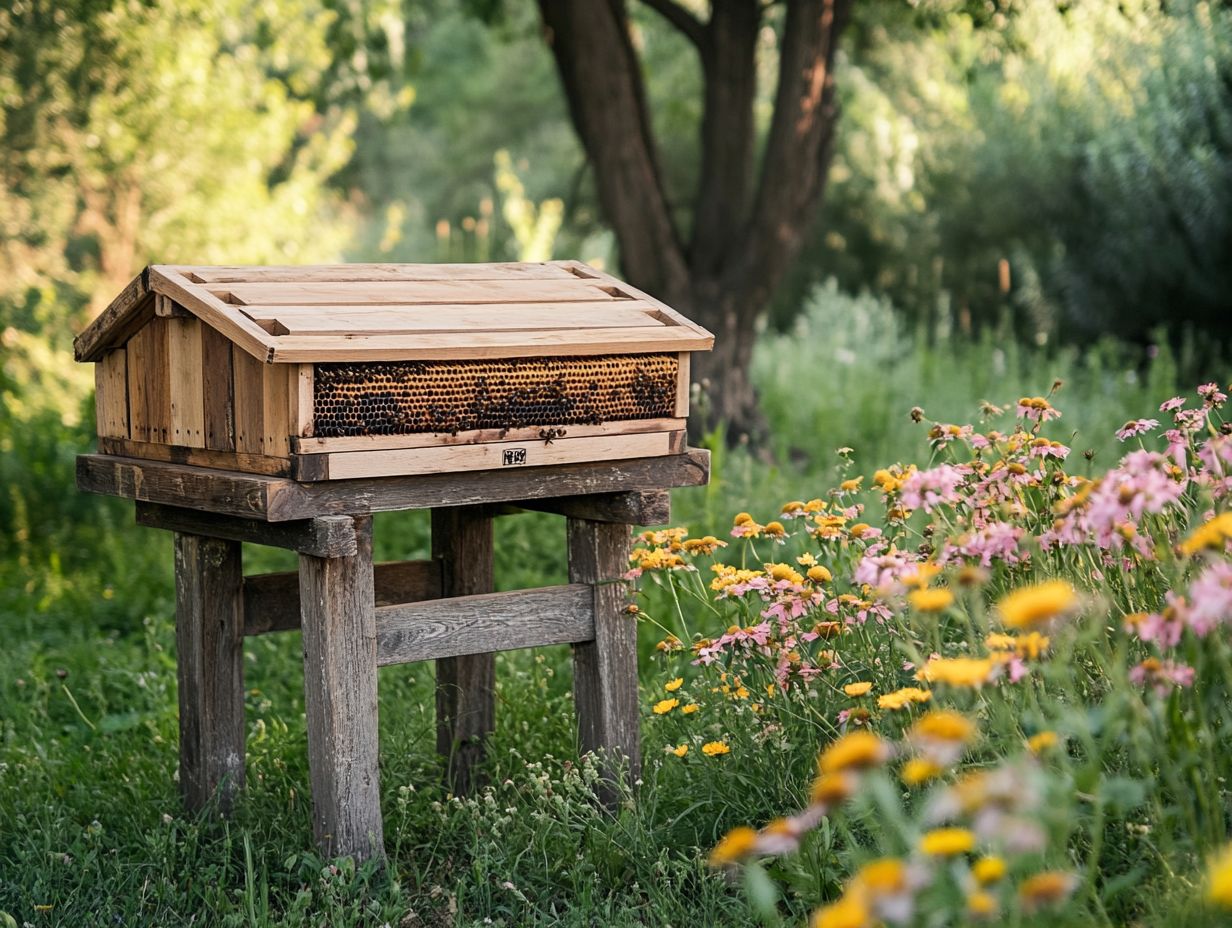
(404, 312)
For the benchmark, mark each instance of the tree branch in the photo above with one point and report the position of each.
(798, 149)
(602, 80)
(684, 21)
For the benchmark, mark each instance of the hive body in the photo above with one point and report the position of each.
(370, 370)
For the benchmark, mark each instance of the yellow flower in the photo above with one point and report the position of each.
(1046, 888)
(981, 904)
(672, 685)
(988, 869)
(944, 725)
(851, 911)
(947, 842)
(819, 574)
(783, 572)
(1212, 535)
(670, 643)
(886, 875)
(901, 699)
(707, 545)
(857, 750)
(715, 749)
(850, 486)
(920, 770)
(922, 575)
(957, 671)
(931, 600)
(1219, 879)
(689, 709)
(1031, 606)
(1038, 744)
(742, 692)
(999, 641)
(742, 518)
(794, 505)
(775, 530)
(806, 560)
(733, 846)
(831, 788)
(664, 706)
(856, 690)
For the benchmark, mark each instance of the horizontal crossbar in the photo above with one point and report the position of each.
(271, 601)
(326, 536)
(485, 623)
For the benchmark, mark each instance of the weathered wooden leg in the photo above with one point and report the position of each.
(209, 638)
(340, 684)
(465, 686)
(605, 670)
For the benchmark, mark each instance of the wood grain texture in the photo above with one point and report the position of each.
(218, 390)
(347, 465)
(186, 387)
(605, 669)
(196, 457)
(340, 699)
(432, 346)
(486, 622)
(341, 273)
(111, 394)
(241, 330)
(149, 395)
(279, 394)
(248, 390)
(462, 541)
(403, 292)
(115, 325)
(271, 601)
(642, 507)
(302, 410)
(476, 436)
(328, 536)
(683, 386)
(397, 319)
(278, 499)
(209, 637)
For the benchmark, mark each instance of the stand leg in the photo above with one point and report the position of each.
(340, 697)
(209, 637)
(465, 686)
(605, 670)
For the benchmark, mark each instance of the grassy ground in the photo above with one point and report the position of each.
(91, 832)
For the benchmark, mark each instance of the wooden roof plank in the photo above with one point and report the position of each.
(411, 292)
(463, 345)
(324, 321)
(606, 279)
(128, 312)
(209, 309)
(344, 273)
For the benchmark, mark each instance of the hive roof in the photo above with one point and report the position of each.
(402, 312)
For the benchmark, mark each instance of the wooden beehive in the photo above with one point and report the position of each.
(335, 372)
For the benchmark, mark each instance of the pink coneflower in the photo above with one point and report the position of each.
(1175, 403)
(1210, 598)
(932, 488)
(1161, 675)
(1211, 393)
(1135, 427)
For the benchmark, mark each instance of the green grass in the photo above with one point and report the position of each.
(91, 830)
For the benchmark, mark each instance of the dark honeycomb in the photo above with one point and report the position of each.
(407, 397)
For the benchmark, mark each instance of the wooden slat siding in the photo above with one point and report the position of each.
(187, 388)
(209, 638)
(196, 457)
(277, 399)
(645, 507)
(404, 320)
(242, 331)
(327, 536)
(271, 601)
(302, 411)
(218, 390)
(342, 273)
(323, 293)
(683, 385)
(605, 669)
(466, 345)
(278, 499)
(211, 490)
(441, 439)
(340, 699)
(116, 324)
(111, 394)
(248, 391)
(488, 456)
(605, 279)
(149, 389)
(462, 541)
(168, 308)
(488, 622)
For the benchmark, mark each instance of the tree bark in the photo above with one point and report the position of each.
(741, 243)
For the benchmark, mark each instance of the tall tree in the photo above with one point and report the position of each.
(748, 221)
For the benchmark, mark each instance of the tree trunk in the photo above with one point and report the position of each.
(742, 243)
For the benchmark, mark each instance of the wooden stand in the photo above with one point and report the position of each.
(357, 616)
